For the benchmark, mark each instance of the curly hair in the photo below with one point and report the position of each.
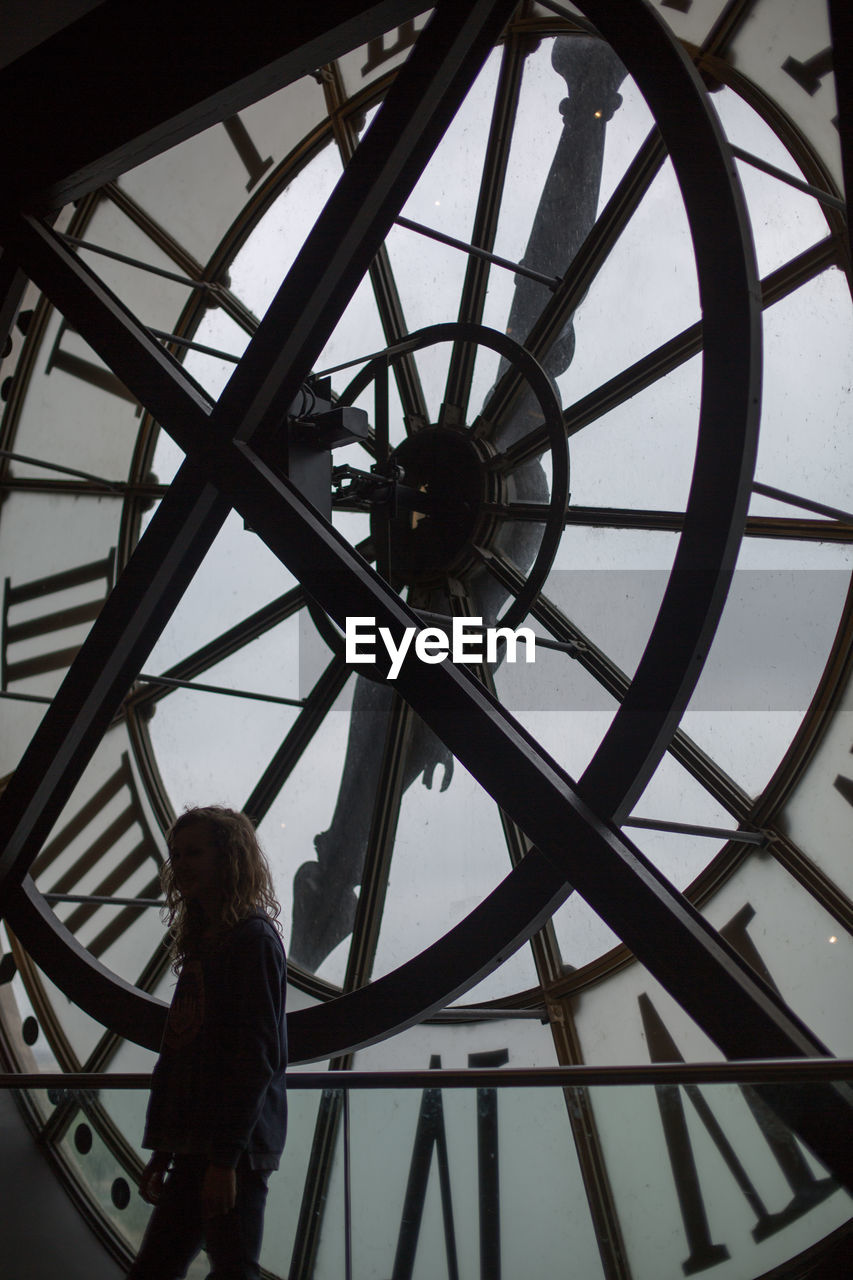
(247, 882)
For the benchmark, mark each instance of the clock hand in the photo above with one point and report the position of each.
(569, 199)
(564, 218)
(324, 900)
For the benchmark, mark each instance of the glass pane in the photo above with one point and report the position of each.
(484, 1178)
(817, 816)
(784, 220)
(196, 190)
(783, 50)
(708, 1181)
(778, 928)
(514, 1197)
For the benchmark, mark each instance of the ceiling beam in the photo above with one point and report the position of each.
(126, 82)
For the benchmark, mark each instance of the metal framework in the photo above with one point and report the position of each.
(232, 462)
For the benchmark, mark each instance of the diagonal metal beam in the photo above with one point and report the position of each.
(408, 126)
(162, 566)
(732, 1004)
(388, 301)
(413, 118)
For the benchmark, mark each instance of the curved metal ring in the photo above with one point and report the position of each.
(696, 593)
(544, 391)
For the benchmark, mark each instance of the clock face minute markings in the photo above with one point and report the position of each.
(260, 524)
(21, 599)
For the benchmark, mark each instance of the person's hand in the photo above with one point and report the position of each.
(218, 1191)
(151, 1182)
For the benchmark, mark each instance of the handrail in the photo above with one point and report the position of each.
(749, 1071)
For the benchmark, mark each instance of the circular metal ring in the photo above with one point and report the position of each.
(548, 400)
(680, 638)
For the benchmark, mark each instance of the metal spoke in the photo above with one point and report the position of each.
(381, 519)
(385, 291)
(670, 355)
(808, 188)
(227, 301)
(168, 683)
(380, 845)
(482, 255)
(584, 267)
(77, 243)
(177, 341)
(316, 707)
(614, 681)
(223, 646)
(759, 838)
(795, 530)
(472, 303)
(726, 26)
(141, 491)
(794, 500)
(97, 481)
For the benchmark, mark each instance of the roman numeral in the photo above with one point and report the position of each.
(488, 1167)
(844, 786)
(809, 74)
(97, 375)
(101, 852)
(378, 52)
(253, 163)
(26, 626)
(807, 1190)
(431, 1139)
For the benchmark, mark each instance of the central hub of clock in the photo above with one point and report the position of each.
(438, 514)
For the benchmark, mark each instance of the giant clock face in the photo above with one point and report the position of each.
(383, 837)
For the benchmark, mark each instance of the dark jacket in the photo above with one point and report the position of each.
(218, 1086)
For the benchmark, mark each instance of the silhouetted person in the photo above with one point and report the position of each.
(218, 1110)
